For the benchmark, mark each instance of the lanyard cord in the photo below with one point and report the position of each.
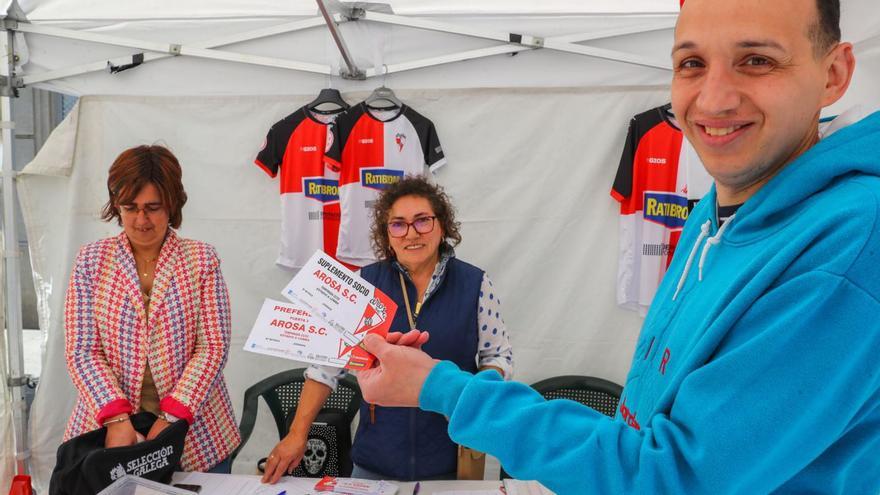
(409, 315)
(412, 326)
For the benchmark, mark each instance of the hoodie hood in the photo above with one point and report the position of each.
(851, 149)
(844, 150)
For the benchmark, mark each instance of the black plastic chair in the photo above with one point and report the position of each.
(281, 393)
(601, 395)
(590, 391)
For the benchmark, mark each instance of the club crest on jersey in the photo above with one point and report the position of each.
(400, 139)
(328, 143)
(321, 189)
(669, 210)
(380, 178)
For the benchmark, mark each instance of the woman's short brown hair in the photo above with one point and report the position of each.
(413, 185)
(136, 167)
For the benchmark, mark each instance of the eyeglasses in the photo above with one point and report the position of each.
(149, 209)
(399, 228)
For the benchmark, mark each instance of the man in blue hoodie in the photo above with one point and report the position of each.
(758, 366)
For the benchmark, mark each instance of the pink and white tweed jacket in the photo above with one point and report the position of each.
(185, 339)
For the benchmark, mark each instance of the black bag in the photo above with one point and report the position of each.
(328, 451)
(85, 467)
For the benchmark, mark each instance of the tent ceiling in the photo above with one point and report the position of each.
(67, 10)
(381, 45)
(640, 29)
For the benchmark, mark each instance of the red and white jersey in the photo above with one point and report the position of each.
(658, 181)
(372, 150)
(309, 190)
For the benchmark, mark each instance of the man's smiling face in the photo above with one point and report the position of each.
(748, 87)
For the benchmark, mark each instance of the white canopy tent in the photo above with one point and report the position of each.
(533, 131)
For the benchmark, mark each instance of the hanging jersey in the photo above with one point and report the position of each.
(309, 190)
(372, 150)
(659, 179)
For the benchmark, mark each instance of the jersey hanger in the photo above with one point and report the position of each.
(383, 93)
(328, 97)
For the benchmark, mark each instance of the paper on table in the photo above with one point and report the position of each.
(354, 486)
(231, 484)
(519, 487)
(134, 485)
(470, 492)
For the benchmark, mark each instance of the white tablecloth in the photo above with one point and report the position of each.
(236, 484)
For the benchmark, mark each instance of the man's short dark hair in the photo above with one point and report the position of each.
(825, 32)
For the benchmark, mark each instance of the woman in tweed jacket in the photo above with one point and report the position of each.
(147, 319)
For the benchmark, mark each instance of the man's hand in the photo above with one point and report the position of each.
(157, 428)
(120, 434)
(284, 458)
(398, 378)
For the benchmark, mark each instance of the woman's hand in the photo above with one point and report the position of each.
(157, 428)
(285, 457)
(120, 434)
(413, 338)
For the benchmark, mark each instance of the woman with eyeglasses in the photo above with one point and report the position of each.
(413, 234)
(147, 319)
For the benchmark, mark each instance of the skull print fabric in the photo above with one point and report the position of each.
(315, 456)
(322, 455)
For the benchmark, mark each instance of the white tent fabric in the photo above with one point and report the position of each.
(373, 46)
(532, 198)
(377, 46)
(53, 10)
(531, 158)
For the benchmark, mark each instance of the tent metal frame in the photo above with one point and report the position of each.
(208, 49)
(16, 379)
(16, 22)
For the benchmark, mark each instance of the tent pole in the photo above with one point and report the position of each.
(353, 71)
(16, 377)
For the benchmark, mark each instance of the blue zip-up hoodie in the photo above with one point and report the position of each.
(758, 366)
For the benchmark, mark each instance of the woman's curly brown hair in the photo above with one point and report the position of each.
(413, 185)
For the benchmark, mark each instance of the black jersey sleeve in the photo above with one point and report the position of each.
(430, 142)
(622, 187)
(639, 126)
(271, 156)
(434, 156)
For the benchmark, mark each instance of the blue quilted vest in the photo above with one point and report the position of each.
(406, 443)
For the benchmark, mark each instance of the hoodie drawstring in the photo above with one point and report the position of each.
(711, 242)
(704, 232)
